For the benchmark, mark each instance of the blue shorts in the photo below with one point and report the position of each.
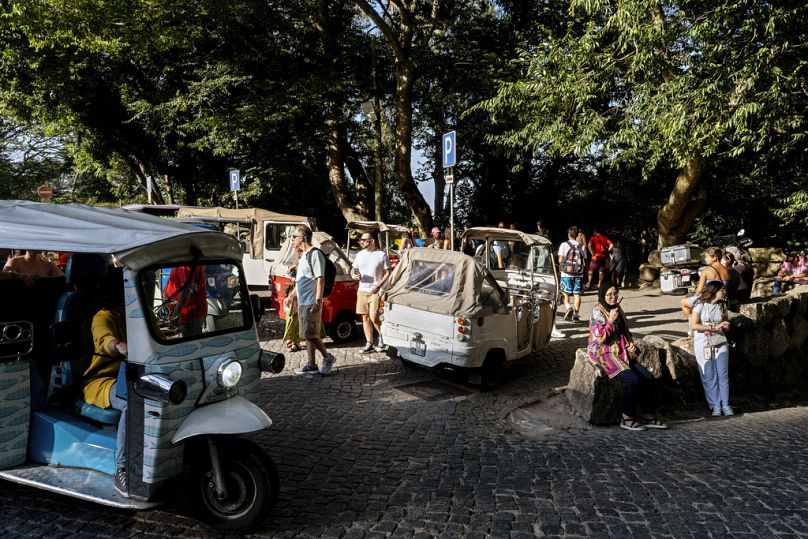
(572, 285)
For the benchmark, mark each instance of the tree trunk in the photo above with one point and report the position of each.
(685, 203)
(140, 173)
(403, 146)
(362, 183)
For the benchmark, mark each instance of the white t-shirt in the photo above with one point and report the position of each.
(371, 266)
(563, 249)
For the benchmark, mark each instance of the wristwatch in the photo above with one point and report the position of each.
(320, 300)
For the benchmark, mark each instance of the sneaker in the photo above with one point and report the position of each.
(380, 346)
(557, 334)
(568, 315)
(727, 410)
(307, 369)
(576, 317)
(716, 412)
(368, 348)
(328, 364)
(122, 483)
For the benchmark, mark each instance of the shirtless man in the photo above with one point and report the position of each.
(32, 263)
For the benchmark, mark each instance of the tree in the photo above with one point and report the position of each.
(662, 86)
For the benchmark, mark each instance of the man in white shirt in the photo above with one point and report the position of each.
(371, 268)
(571, 262)
(309, 289)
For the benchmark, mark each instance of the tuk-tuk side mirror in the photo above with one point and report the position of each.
(257, 308)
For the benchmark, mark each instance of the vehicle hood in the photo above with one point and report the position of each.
(474, 291)
(135, 239)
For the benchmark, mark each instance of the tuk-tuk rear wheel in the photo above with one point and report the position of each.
(252, 486)
(342, 328)
(491, 372)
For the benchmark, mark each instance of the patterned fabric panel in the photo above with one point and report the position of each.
(15, 412)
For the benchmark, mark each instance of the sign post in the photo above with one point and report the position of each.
(149, 189)
(235, 184)
(449, 160)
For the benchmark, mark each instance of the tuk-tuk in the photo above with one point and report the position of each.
(448, 309)
(389, 237)
(189, 394)
(261, 233)
(339, 308)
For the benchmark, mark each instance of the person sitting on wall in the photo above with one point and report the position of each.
(794, 271)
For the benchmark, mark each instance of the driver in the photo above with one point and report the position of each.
(100, 389)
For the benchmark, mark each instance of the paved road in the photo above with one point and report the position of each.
(378, 449)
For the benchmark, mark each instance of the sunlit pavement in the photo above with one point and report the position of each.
(377, 449)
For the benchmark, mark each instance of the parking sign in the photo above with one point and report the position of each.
(235, 182)
(449, 150)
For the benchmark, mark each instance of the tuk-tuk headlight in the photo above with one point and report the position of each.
(229, 373)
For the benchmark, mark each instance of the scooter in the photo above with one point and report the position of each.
(190, 395)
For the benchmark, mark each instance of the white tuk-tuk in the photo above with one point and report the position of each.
(191, 389)
(447, 309)
(261, 233)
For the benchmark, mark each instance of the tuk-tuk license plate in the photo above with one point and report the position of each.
(418, 348)
(686, 279)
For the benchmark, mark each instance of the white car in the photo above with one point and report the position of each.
(447, 309)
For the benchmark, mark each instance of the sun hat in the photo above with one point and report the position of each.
(435, 229)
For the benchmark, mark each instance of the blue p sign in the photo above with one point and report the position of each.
(235, 182)
(449, 150)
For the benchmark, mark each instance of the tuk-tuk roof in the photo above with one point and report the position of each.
(374, 225)
(474, 290)
(161, 210)
(504, 234)
(321, 240)
(251, 216)
(136, 239)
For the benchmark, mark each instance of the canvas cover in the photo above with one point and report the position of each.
(374, 225)
(504, 234)
(249, 216)
(136, 239)
(321, 240)
(473, 291)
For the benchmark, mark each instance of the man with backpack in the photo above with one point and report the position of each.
(571, 262)
(310, 291)
(371, 268)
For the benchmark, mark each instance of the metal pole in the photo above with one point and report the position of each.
(236, 195)
(451, 214)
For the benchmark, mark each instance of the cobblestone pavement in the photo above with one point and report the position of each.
(378, 449)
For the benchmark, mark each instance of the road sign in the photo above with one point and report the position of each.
(235, 181)
(449, 150)
(448, 176)
(45, 192)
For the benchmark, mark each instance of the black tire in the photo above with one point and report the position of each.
(491, 372)
(252, 486)
(342, 328)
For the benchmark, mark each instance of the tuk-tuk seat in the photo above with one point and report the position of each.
(72, 332)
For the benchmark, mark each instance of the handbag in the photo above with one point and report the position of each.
(716, 338)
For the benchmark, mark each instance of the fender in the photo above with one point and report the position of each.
(235, 415)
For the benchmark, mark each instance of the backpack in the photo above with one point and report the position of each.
(329, 272)
(574, 260)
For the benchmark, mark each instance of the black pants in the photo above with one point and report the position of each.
(638, 385)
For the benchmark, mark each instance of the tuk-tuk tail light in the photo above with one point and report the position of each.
(463, 328)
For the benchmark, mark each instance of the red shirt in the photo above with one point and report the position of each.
(196, 306)
(600, 246)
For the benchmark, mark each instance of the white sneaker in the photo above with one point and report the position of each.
(716, 412)
(728, 410)
(328, 364)
(380, 346)
(368, 348)
(557, 334)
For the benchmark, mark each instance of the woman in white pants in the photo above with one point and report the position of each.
(710, 324)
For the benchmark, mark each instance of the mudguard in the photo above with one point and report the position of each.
(235, 415)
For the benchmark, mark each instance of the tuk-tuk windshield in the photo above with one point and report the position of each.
(433, 278)
(194, 300)
(543, 259)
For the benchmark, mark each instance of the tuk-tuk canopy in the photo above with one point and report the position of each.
(136, 239)
(321, 240)
(251, 217)
(444, 282)
(504, 234)
(375, 225)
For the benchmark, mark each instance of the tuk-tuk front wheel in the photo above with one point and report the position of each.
(251, 481)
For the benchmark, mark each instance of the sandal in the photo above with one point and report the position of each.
(654, 423)
(292, 346)
(631, 424)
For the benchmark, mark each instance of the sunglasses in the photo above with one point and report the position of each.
(365, 239)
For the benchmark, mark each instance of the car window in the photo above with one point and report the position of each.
(433, 278)
(275, 234)
(542, 259)
(192, 301)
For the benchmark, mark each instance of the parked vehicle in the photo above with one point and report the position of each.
(189, 396)
(445, 309)
(736, 244)
(682, 263)
(260, 232)
(339, 308)
(389, 237)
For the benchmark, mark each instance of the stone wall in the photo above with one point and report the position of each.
(769, 355)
